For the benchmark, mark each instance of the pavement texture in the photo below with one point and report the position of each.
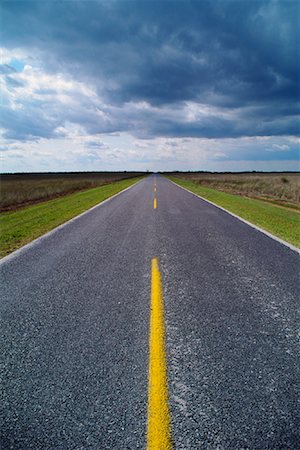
(75, 329)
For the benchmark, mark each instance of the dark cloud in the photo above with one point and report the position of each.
(241, 57)
(27, 125)
(11, 82)
(5, 69)
(96, 145)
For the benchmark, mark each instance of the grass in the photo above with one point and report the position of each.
(278, 188)
(22, 226)
(18, 190)
(281, 222)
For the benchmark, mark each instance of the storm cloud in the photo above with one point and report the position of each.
(172, 69)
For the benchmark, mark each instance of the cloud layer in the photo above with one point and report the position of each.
(152, 70)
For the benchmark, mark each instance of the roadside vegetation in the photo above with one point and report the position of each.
(283, 222)
(282, 189)
(23, 189)
(21, 226)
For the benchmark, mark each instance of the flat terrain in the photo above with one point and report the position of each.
(75, 323)
(277, 188)
(20, 226)
(279, 220)
(23, 189)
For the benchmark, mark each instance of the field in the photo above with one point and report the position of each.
(33, 204)
(18, 190)
(281, 221)
(282, 189)
(25, 224)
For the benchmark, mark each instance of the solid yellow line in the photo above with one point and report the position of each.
(154, 203)
(159, 421)
(154, 188)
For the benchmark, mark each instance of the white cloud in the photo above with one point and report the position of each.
(76, 151)
(7, 55)
(278, 148)
(54, 120)
(38, 85)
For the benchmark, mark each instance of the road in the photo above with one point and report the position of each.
(75, 315)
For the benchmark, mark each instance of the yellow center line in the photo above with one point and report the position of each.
(154, 203)
(159, 421)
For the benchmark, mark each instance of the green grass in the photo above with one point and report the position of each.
(279, 188)
(22, 189)
(22, 226)
(277, 220)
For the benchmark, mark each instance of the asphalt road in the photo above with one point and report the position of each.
(75, 329)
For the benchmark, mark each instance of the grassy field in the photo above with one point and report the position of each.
(280, 221)
(23, 225)
(279, 188)
(18, 190)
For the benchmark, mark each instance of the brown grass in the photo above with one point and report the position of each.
(18, 190)
(280, 188)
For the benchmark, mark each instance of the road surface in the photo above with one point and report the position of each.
(75, 320)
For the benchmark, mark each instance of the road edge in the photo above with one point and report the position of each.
(267, 233)
(36, 241)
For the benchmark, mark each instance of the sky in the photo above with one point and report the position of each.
(150, 85)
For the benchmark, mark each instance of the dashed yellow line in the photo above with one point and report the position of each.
(155, 200)
(159, 421)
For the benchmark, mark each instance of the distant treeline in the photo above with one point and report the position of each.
(28, 175)
(232, 173)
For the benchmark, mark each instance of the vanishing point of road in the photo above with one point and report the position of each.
(155, 320)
